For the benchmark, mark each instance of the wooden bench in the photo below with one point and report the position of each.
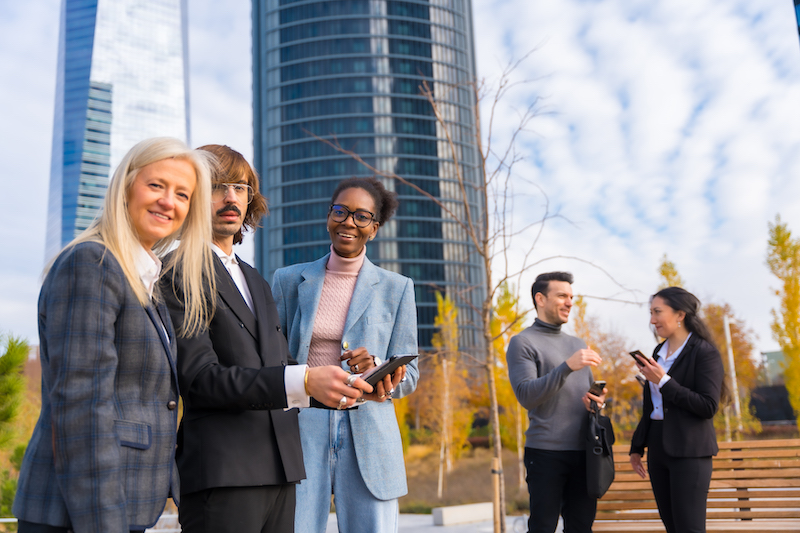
(755, 486)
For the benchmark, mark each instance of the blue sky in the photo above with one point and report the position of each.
(664, 127)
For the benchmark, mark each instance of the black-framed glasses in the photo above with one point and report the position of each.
(243, 192)
(361, 217)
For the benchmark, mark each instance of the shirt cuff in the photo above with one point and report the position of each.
(664, 379)
(294, 379)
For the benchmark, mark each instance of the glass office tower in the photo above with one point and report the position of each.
(122, 77)
(351, 71)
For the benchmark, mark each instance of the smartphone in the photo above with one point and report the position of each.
(388, 367)
(641, 379)
(597, 387)
(636, 354)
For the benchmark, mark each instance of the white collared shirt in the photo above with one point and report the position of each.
(666, 363)
(148, 266)
(293, 375)
(232, 265)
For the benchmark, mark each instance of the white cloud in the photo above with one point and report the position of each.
(670, 127)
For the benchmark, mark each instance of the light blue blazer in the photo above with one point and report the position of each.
(383, 319)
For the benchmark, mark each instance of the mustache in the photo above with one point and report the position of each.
(229, 208)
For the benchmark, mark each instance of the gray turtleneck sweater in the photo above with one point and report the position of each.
(547, 388)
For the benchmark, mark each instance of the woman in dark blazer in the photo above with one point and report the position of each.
(101, 458)
(685, 380)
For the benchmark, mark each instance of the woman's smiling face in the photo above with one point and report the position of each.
(348, 239)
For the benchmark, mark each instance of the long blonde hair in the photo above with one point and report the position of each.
(114, 229)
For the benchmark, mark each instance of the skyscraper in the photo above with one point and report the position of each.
(351, 70)
(122, 77)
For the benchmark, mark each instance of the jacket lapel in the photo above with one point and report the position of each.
(230, 294)
(308, 294)
(165, 333)
(256, 286)
(362, 294)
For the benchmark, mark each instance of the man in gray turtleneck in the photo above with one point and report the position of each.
(549, 371)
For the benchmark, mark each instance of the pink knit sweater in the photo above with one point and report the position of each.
(337, 290)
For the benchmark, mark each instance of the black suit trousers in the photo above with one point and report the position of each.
(265, 509)
(680, 484)
(557, 486)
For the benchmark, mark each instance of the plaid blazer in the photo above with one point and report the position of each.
(101, 458)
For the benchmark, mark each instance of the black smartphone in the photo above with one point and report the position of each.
(597, 387)
(636, 354)
(388, 367)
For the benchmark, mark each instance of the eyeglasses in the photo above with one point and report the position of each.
(243, 192)
(361, 217)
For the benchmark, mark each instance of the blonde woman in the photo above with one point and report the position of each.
(101, 458)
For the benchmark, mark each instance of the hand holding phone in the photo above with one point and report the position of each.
(636, 354)
(597, 387)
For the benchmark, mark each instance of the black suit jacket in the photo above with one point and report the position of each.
(691, 399)
(234, 431)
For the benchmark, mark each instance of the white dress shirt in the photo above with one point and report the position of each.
(293, 375)
(148, 266)
(655, 390)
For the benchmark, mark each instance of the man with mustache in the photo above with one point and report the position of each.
(239, 453)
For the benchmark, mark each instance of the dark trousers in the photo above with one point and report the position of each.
(32, 527)
(557, 486)
(267, 509)
(680, 485)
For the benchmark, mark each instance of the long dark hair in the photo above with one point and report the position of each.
(682, 300)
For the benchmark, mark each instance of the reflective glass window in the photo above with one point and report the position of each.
(309, 191)
(332, 106)
(305, 233)
(408, 9)
(411, 67)
(327, 67)
(423, 271)
(320, 169)
(307, 211)
(326, 28)
(324, 9)
(420, 250)
(328, 47)
(424, 229)
(327, 127)
(326, 87)
(304, 254)
(317, 148)
(409, 48)
(409, 29)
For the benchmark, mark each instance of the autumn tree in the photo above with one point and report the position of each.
(747, 370)
(507, 322)
(783, 260)
(617, 368)
(669, 274)
(443, 400)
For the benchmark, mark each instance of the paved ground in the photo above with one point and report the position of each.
(423, 523)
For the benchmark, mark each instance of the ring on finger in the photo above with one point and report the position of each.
(382, 396)
(351, 379)
(342, 402)
(355, 368)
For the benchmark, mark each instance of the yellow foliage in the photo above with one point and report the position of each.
(669, 274)
(443, 400)
(507, 322)
(783, 260)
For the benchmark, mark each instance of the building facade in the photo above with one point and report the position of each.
(350, 71)
(122, 77)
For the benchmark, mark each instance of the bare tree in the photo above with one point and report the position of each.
(491, 231)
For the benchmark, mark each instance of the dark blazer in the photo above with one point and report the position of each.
(101, 457)
(691, 399)
(234, 431)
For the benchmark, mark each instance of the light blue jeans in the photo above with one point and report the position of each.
(332, 468)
